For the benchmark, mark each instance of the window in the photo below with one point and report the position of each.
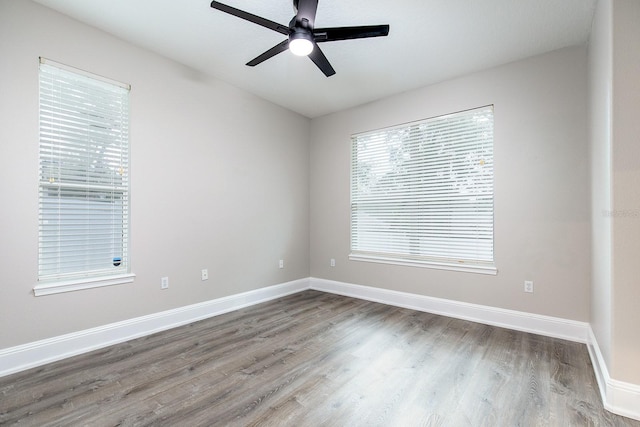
(83, 181)
(422, 193)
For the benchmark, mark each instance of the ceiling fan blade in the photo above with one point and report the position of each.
(321, 61)
(306, 10)
(251, 18)
(279, 48)
(348, 33)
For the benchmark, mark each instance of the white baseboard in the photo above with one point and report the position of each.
(527, 322)
(22, 357)
(619, 397)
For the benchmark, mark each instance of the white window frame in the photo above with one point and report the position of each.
(84, 188)
(422, 193)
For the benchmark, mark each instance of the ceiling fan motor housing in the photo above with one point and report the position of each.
(300, 32)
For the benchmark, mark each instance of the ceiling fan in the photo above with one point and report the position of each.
(302, 36)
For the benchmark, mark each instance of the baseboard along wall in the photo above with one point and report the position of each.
(39, 353)
(527, 322)
(618, 397)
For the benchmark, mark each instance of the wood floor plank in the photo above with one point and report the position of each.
(317, 359)
(237, 370)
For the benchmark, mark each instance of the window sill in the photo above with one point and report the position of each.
(462, 267)
(80, 284)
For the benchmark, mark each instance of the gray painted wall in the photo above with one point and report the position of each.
(219, 181)
(600, 77)
(541, 187)
(614, 66)
(625, 312)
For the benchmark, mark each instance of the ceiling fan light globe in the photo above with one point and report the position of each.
(300, 46)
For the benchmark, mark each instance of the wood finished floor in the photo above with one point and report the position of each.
(316, 359)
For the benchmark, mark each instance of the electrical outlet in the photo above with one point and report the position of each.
(164, 283)
(204, 274)
(528, 286)
(281, 264)
(332, 263)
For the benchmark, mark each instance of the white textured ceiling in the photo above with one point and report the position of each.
(429, 41)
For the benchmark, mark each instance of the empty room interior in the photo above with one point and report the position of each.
(432, 220)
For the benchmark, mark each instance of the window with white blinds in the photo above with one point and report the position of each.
(84, 178)
(422, 193)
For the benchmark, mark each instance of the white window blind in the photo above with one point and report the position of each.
(422, 193)
(84, 175)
